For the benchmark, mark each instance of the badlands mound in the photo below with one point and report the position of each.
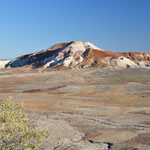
(80, 54)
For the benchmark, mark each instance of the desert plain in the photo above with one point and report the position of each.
(84, 109)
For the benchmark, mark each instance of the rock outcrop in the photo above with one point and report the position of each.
(82, 54)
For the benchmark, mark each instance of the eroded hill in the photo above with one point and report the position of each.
(80, 54)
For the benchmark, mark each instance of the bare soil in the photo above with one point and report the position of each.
(93, 108)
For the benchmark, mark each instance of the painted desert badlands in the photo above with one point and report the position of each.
(86, 97)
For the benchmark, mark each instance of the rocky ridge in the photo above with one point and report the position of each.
(81, 54)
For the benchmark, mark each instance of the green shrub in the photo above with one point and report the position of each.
(16, 133)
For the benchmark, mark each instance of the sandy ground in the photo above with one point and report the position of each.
(84, 109)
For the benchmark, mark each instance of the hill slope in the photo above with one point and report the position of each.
(82, 54)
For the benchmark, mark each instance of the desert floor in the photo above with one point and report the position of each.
(84, 109)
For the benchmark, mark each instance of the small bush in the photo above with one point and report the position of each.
(15, 131)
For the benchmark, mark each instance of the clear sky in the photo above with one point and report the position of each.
(28, 26)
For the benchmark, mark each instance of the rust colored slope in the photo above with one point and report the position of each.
(137, 56)
(100, 54)
(96, 54)
(93, 56)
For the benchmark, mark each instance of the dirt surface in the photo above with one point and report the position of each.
(84, 109)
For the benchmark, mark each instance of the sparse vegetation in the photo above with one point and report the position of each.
(16, 133)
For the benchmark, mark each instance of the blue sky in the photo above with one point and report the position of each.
(28, 26)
